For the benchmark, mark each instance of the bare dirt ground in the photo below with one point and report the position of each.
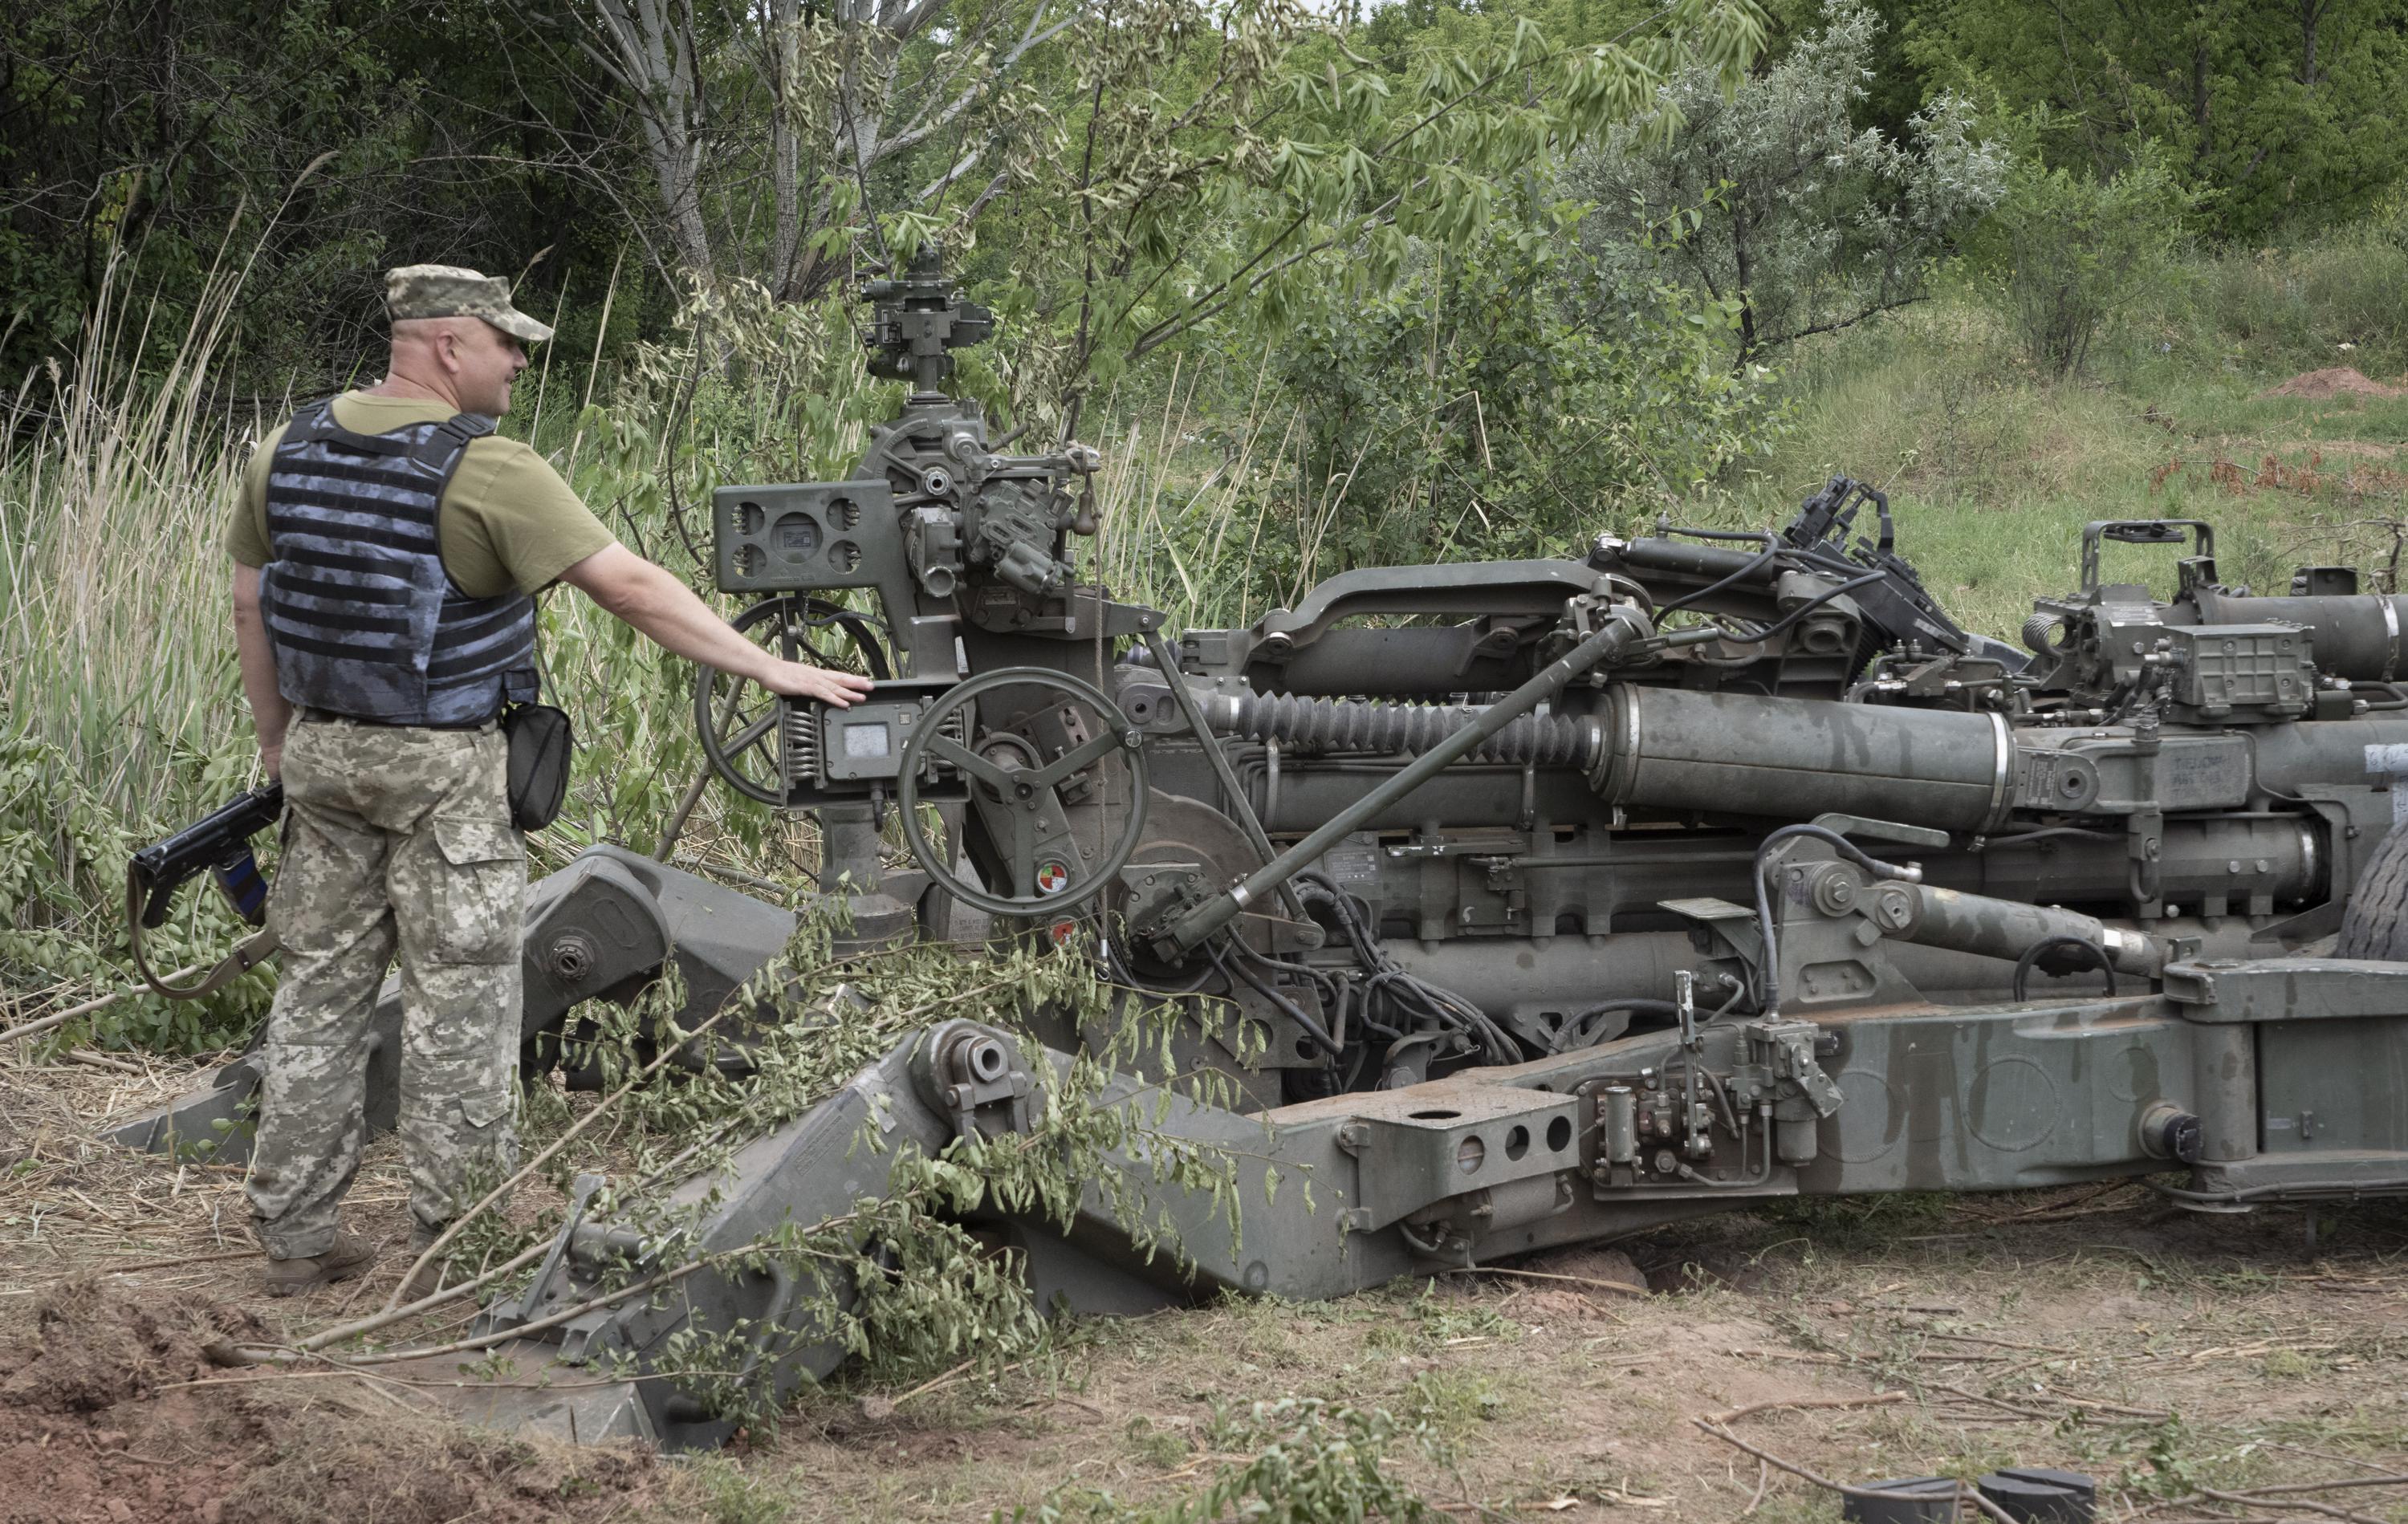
(2336, 382)
(2097, 1328)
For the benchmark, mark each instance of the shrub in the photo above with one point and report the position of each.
(2071, 249)
(2273, 310)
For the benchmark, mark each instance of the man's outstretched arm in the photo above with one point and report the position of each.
(630, 588)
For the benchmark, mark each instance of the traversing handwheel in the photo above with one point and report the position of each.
(738, 719)
(1017, 793)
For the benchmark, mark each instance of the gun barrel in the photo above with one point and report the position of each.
(202, 844)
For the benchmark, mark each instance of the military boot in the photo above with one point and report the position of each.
(343, 1259)
(428, 1278)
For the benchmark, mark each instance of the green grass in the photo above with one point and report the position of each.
(1993, 470)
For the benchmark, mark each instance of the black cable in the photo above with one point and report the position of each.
(2050, 833)
(2398, 700)
(1408, 993)
(1323, 986)
(1782, 624)
(1634, 1004)
(1123, 973)
(2257, 774)
(1288, 1008)
(1772, 549)
(1629, 1003)
(2033, 954)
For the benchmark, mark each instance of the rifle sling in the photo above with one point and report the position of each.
(248, 954)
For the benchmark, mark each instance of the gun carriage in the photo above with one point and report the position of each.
(1553, 899)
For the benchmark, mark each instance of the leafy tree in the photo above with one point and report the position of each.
(2284, 110)
(1133, 169)
(1803, 220)
(312, 143)
(1513, 396)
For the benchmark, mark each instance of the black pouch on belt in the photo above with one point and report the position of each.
(539, 740)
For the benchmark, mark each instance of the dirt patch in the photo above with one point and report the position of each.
(2344, 480)
(2357, 450)
(1580, 1282)
(113, 1413)
(2335, 382)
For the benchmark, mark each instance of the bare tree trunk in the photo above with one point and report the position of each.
(784, 53)
(651, 51)
(653, 43)
(855, 115)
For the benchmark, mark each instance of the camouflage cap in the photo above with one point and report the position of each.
(447, 291)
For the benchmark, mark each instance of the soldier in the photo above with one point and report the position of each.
(388, 547)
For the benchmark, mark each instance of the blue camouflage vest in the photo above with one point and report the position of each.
(363, 616)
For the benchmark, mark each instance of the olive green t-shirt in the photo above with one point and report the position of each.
(507, 520)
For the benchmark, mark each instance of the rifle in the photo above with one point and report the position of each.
(219, 844)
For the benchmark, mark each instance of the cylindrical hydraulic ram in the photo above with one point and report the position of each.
(2369, 749)
(1975, 924)
(1745, 754)
(2232, 858)
(1619, 1135)
(2215, 865)
(1510, 977)
(1686, 558)
(2358, 636)
(2229, 857)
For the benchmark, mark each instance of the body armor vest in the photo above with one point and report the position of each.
(364, 618)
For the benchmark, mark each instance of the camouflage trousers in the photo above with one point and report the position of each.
(396, 839)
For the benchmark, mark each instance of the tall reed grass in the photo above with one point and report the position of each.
(115, 646)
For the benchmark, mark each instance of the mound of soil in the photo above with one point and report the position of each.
(2338, 381)
(115, 1414)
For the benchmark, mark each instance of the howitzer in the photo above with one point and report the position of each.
(1547, 901)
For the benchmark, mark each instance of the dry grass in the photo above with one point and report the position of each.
(76, 1204)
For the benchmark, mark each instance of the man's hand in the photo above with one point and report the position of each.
(797, 681)
(271, 760)
(665, 609)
